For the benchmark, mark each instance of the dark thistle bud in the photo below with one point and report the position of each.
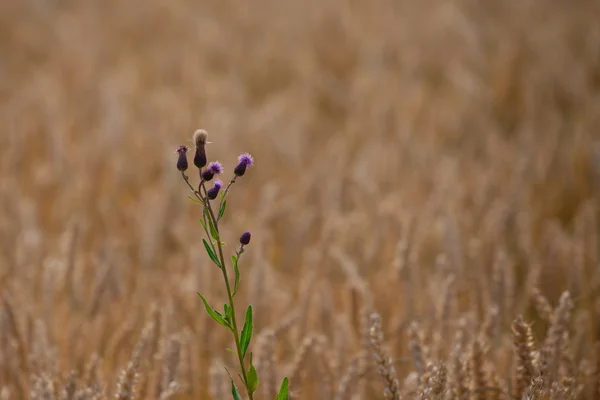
(244, 161)
(200, 156)
(214, 168)
(213, 192)
(182, 162)
(245, 238)
(207, 175)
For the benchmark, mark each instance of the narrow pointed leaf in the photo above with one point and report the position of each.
(227, 312)
(211, 253)
(234, 390)
(283, 391)
(246, 332)
(213, 230)
(252, 377)
(205, 217)
(222, 210)
(214, 313)
(236, 283)
(194, 200)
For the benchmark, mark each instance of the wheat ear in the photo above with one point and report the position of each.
(382, 360)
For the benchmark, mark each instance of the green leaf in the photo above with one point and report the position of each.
(234, 389)
(211, 253)
(222, 210)
(236, 283)
(283, 391)
(252, 377)
(214, 313)
(194, 200)
(246, 332)
(213, 230)
(205, 216)
(227, 312)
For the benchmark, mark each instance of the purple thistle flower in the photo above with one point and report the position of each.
(182, 162)
(214, 168)
(213, 192)
(245, 238)
(245, 160)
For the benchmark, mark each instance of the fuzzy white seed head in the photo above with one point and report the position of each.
(200, 137)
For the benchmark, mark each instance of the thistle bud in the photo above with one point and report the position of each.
(213, 192)
(182, 162)
(200, 140)
(245, 160)
(214, 168)
(245, 238)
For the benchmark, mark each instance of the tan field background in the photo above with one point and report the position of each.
(435, 162)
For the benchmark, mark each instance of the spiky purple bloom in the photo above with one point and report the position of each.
(182, 162)
(214, 168)
(213, 192)
(245, 160)
(245, 238)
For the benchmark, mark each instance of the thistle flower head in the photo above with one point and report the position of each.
(200, 137)
(207, 174)
(216, 167)
(245, 238)
(182, 162)
(245, 160)
(213, 192)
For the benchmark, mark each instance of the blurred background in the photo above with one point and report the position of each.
(399, 145)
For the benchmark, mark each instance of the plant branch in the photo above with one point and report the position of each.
(203, 201)
(229, 294)
(224, 196)
(187, 180)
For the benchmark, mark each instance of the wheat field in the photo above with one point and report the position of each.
(424, 204)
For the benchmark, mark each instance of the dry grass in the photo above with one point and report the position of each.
(434, 162)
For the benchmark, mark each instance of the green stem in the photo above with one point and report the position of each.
(187, 180)
(230, 295)
(208, 235)
(202, 200)
(224, 197)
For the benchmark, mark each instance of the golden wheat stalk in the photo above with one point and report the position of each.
(383, 361)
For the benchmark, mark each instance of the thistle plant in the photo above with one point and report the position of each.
(213, 200)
